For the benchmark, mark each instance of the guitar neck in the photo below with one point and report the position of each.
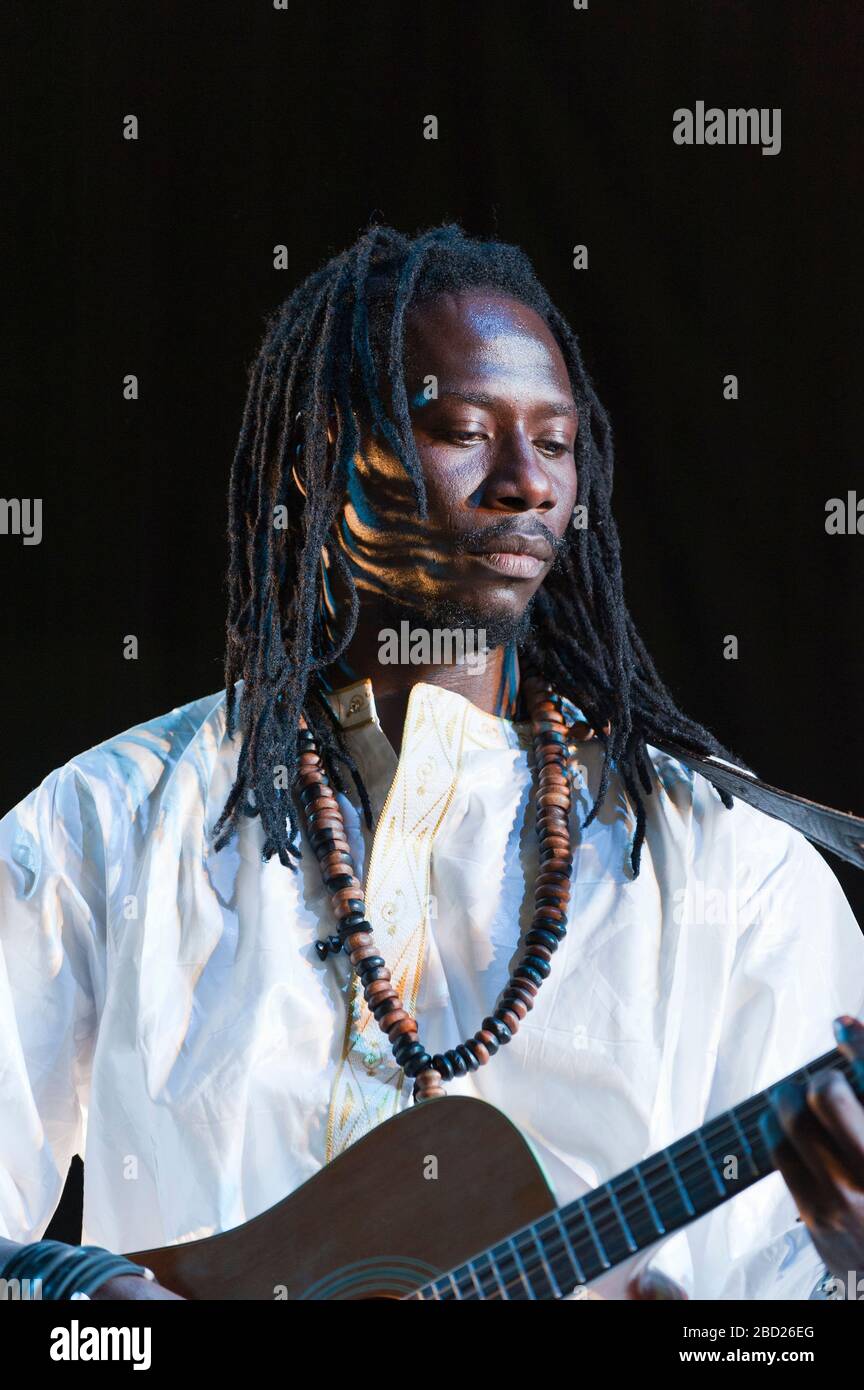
(579, 1242)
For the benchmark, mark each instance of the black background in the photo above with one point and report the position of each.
(259, 127)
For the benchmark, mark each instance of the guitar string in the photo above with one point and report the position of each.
(530, 1263)
(554, 1246)
(552, 1239)
(584, 1247)
(694, 1176)
(695, 1186)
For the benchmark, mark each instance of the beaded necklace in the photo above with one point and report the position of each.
(326, 831)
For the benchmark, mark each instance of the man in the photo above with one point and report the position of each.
(422, 452)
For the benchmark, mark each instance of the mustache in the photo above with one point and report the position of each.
(468, 541)
(394, 538)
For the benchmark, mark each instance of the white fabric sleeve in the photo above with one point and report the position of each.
(798, 963)
(52, 971)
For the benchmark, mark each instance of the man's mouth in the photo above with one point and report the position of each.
(517, 566)
(518, 555)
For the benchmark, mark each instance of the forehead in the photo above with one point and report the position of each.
(482, 334)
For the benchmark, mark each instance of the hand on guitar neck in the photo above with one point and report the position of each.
(815, 1135)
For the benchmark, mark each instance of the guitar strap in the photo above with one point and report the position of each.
(838, 831)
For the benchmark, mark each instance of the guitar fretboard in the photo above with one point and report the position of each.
(574, 1244)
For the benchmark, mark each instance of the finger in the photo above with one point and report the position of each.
(788, 1162)
(841, 1114)
(849, 1033)
(792, 1134)
(813, 1147)
(651, 1284)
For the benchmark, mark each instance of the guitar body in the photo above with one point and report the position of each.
(372, 1224)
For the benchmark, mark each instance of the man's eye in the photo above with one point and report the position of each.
(463, 436)
(556, 447)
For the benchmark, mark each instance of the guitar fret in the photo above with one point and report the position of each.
(718, 1181)
(463, 1280)
(615, 1243)
(576, 1226)
(488, 1278)
(685, 1195)
(743, 1137)
(526, 1278)
(577, 1268)
(616, 1207)
(655, 1215)
(585, 1211)
(449, 1289)
(502, 1256)
(635, 1212)
(544, 1274)
(761, 1152)
(664, 1194)
(727, 1141)
(708, 1186)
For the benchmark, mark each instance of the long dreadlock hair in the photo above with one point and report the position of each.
(334, 351)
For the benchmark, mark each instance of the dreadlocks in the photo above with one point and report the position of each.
(333, 354)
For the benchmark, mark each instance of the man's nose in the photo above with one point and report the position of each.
(518, 481)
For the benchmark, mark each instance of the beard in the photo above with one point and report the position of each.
(500, 630)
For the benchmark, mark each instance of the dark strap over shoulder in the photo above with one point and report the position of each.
(838, 831)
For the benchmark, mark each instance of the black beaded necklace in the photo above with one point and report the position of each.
(326, 831)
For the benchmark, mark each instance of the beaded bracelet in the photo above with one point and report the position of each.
(68, 1271)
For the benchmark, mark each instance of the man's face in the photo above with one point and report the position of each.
(494, 423)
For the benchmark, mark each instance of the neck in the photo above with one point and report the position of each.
(490, 681)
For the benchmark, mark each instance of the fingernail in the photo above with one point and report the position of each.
(846, 1028)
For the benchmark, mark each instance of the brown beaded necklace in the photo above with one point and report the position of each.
(326, 831)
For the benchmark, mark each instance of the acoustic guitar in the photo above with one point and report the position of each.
(447, 1201)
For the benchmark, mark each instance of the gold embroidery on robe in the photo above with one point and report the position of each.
(368, 1086)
